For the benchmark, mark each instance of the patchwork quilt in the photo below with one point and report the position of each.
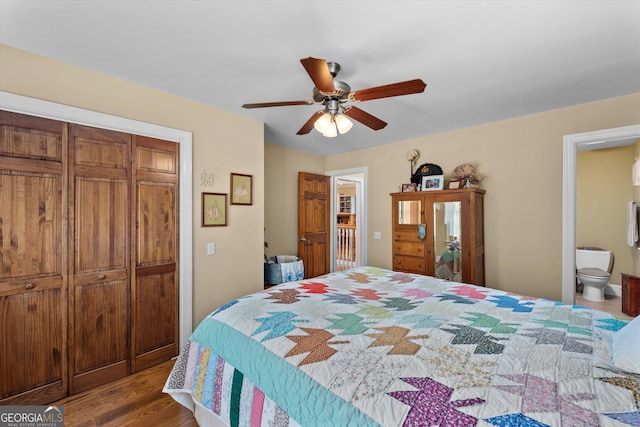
(368, 347)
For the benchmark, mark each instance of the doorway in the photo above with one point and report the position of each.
(348, 219)
(607, 138)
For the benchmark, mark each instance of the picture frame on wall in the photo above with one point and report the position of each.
(241, 189)
(432, 182)
(214, 209)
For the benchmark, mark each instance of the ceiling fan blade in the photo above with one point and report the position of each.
(365, 118)
(318, 70)
(276, 104)
(386, 91)
(306, 128)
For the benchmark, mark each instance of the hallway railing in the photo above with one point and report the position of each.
(346, 247)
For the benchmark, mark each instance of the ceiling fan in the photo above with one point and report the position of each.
(334, 94)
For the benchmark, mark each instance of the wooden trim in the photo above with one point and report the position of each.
(153, 357)
(46, 393)
(21, 120)
(33, 285)
(148, 270)
(28, 165)
(87, 380)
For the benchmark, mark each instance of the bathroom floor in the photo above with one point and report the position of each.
(612, 304)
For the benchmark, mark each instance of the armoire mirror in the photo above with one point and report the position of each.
(409, 211)
(447, 242)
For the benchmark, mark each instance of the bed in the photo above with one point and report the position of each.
(368, 346)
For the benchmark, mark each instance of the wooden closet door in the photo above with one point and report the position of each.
(155, 261)
(100, 253)
(33, 278)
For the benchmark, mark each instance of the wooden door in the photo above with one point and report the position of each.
(155, 288)
(33, 272)
(99, 262)
(313, 223)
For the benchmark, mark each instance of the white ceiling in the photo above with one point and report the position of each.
(483, 61)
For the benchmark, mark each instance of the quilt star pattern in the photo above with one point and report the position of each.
(368, 347)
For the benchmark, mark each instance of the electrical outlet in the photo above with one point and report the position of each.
(211, 248)
(377, 235)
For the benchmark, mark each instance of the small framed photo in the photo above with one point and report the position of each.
(432, 182)
(214, 209)
(409, 187)
(455, 184)
(241, 189)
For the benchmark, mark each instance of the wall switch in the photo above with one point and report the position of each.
(211, 248)
(377, 235)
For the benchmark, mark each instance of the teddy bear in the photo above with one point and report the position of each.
(466, 173)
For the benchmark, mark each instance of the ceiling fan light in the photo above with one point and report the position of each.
(331, 131)
(343, 124)
(323, 123)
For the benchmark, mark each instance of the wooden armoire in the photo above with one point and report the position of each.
(439, 233)
(88, 256)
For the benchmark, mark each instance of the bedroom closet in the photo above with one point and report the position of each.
(439, 233)
(88, 256)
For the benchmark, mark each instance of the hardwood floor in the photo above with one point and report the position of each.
(611, 304)
(136, 400)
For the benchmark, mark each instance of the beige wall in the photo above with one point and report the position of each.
(522, 161)
(603, 189)
(521, 158)
(281, 187)
(222, 141)
(347, 190)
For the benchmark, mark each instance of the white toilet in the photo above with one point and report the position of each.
(593, 271)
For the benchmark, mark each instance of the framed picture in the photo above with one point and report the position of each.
(241, 189)
(408, 187)
(214, 209)
(432, 182)
(454, 184)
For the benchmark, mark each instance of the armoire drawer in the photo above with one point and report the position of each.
(409, 264)
(409, 248)
(409, 236)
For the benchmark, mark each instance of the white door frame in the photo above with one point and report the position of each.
(361, 212)
(606, 138)
(65, 113)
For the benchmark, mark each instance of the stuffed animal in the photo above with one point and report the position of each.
(454, 246)
(466, 173)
